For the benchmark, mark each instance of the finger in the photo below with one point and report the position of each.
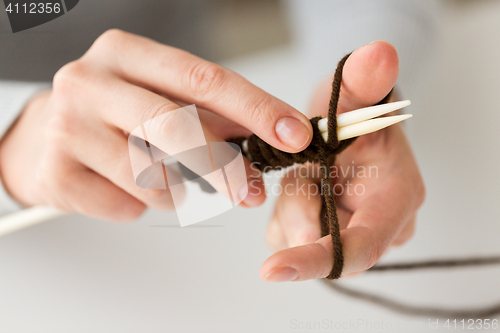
(107, 202)
(296, 217)
(174, 132)
(184, 76)
(106, 152)
(67, 184)
(369, 75)
(371, 230)
(221, 126)
(298, 207)
(181, 134)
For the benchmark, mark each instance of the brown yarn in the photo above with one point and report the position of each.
(487, 312)
(266, 157)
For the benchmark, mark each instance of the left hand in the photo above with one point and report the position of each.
(376, 209)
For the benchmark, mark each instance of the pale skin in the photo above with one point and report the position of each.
(69, 147)
(382, 216)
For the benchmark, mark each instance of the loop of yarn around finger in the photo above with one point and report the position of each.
(266, 157)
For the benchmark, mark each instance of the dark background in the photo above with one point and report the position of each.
(212, 29)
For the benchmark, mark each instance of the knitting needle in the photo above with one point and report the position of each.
(359, 115)
(27, 218)
(359, 122)
(349, 125)
(365, 127)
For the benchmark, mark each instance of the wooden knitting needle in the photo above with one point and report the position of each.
(27, 218)
(365, 127)
(359, 115)
(349, 125)
(360, 121)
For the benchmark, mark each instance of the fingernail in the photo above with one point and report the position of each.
(250, 194)
(282, 274)
(292, 132)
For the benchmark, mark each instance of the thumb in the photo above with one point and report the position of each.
(369, 75)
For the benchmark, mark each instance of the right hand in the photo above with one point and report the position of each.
(69, 147)
(380, 214)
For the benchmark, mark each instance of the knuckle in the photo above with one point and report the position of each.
(108, 40)
(258, 110)
(373, 256)
(164, 122)
(68, 77)
(168, 123)
(112, 35)
(50, 177)
(59, 130)
(372, 248)
(156, 114)
(305, 237)
(203, 77)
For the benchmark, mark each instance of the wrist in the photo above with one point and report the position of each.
(19, 146)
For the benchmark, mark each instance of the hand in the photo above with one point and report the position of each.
(69, 147)
(376, 209)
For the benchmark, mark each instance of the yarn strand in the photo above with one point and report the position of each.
(267, 158)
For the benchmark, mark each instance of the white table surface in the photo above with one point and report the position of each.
(75, 274)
